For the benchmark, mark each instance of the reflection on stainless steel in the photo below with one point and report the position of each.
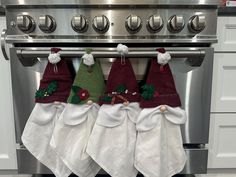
(3, 44)
(194, 158)
(28, 56)
(91, 39)
(196, 161)
(111, 2)
(32, 166)
(113, 33)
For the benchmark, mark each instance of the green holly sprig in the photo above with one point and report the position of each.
(80, 94)
(107, 99)
(148, 92)
(121, 89)
(75, 99)
(42, 93)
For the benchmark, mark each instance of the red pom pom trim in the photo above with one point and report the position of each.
(161, 50)
(83, 94)
(55, 50)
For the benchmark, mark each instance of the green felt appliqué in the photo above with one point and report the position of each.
(75, 88)
(121, 89)
(107, 99)
(148, 92)
(42, 93)
(75, 99)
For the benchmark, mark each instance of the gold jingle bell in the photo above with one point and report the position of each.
(163, 108)
(89, 102)
(126, 103)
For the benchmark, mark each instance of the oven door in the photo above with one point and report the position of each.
(192, 71)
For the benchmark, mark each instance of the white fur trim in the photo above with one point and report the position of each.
(54, 58)
(88, 59)
(163, 58)
(122, 49)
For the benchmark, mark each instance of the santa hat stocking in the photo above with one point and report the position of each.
(73, 129)
(159, 150)
(113, 138)
(53, 91)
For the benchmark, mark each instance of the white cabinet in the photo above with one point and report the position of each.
(222, 144)
(224, 83)
(226, 32)
(222, 139)
(7, 131)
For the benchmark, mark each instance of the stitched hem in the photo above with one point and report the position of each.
(90, 172)
(103, 166)
(43, 161)
(170, 174)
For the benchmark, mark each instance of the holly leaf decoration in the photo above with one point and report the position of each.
(147, 96)
(51, 88)
(75, 88)
(121, 89)
(75, 99)
(107, 99)
(39, 94)
(148, 92)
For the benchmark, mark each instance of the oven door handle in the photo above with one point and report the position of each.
(26, 55)
(3, 44)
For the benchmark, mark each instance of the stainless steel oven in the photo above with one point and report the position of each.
(186, 28)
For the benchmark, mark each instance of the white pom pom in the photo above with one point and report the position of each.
(122, 49)
(119, 48)
(163, 58)
(88, 59)
(54, 58)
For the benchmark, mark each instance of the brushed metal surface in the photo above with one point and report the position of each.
(117, 31)
(111, 2)
(3, 44)
(196, 162)
(194, 57)
(193, 84)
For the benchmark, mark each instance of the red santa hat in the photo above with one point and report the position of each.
(160, 87)
(55, 85)
(121, 85)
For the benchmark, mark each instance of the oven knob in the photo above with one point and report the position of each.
(133, 23)
(176, 23)
(25, 23)
(47, 23)
(197, 23)
(79, 23)
(101, 24)
(155, 23)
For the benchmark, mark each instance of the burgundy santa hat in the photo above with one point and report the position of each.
(121, 85)
(160, 87)
(55, 84)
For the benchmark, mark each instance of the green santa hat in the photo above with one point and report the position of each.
(88, 85)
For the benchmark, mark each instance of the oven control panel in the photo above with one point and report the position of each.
(117, 23)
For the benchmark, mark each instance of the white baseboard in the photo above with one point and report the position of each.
(217, 175)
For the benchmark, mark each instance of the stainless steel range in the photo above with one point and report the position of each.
(186, 28)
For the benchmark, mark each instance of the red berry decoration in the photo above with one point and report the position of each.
(83, 94)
